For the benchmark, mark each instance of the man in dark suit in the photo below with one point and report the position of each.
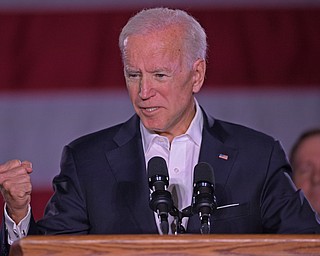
(103, 187)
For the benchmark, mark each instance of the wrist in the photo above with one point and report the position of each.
(17, 214)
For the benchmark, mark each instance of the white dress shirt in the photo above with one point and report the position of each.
(15, 231)
(181, 157)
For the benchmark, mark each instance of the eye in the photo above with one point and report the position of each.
(133, 75)
(160, 76)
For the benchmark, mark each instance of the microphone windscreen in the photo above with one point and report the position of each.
(157, 166)
(203, 172)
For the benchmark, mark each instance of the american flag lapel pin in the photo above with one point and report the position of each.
(223, 156)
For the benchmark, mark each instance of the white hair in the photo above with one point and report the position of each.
(150, 20)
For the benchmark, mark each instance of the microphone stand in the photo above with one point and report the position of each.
(161, 202)
(204, 206)
(178, 216)
(205, 224)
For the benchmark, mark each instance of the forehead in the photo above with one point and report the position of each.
(165, 42)
(310, 146)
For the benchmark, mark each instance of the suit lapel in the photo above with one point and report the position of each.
(215, 151)
(221, 156)
(128, 166)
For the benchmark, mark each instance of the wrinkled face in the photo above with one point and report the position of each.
(307, 170)
(160, 82)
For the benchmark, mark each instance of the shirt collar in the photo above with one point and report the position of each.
(194, 131)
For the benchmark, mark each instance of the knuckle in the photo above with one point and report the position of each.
(6, 184)
(20, 194)
(9, 165)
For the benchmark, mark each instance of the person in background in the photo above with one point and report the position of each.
(305, 160)
(102, 187)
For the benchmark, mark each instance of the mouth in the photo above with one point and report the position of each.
(151, 109)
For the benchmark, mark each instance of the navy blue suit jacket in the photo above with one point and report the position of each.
(103, 189)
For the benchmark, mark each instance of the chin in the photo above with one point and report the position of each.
(154, 129)
(150, 125)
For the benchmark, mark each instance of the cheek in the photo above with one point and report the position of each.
(180, 93)
(302, 182)
(132, 91)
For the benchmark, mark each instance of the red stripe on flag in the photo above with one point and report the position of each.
(79, 50)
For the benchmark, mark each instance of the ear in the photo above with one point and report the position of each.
(199, 71)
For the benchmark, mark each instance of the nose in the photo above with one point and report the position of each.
(146, 88)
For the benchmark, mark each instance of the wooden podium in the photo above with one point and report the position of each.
(157, 245)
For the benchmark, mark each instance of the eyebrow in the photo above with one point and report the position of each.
(156, 70)
(131, 69)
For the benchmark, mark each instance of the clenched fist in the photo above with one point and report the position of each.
(15, 185)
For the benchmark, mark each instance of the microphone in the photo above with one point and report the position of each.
(160, 199)
(203, 201)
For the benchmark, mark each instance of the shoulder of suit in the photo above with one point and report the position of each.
(101, 136)
(240, 131)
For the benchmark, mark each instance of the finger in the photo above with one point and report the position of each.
(10, 165)
(18, 196)
(14, 182)
(14, 176)
(28, 166)
(21, 191)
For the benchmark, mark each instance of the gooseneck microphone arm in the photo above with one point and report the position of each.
(203, 201)
(160, 199)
